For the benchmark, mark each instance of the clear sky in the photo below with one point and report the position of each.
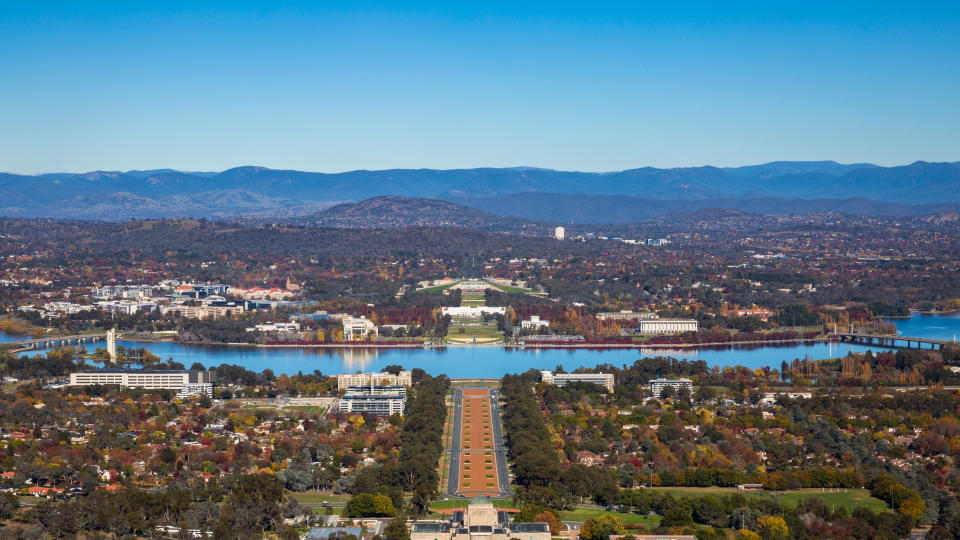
(586, 86)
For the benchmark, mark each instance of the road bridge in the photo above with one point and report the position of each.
(53, 341)
(890, 340)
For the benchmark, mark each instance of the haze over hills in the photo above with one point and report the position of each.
(563, 208)
(257, 191)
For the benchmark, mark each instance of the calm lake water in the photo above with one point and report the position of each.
(495, 361)
(930, 326)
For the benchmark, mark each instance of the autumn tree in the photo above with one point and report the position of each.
(600, 528)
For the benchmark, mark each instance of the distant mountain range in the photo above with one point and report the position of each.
(562, 208)
(532, 193)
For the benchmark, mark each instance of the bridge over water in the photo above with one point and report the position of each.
(890, 340)
(53, 341)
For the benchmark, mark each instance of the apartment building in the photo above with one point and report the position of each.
(196, 382)
(657, 385)
(376, 404)
(562, 379)
(346, 380)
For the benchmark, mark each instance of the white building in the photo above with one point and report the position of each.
(346, 380)
(276, 327)
(196, 382)
(534, 323)
(657, 385)
(559, 233)
(666, 326)
(357, 328)
(127, 292)
(473, 312)
(379, 390)
(626, 315)
(770, 398)
(203, 312)
(126, 307)
(377, 404)
(561, 379)
(68, 308)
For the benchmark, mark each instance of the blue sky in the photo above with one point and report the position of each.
(587, 86)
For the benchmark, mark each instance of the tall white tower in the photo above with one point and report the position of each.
(558, 233)
(112, 344)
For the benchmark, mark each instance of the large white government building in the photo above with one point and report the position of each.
(186, 382)
(666, 326)
(561, 379)
(358, 328)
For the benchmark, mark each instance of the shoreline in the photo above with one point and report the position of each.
(511, 346)
(662, 345)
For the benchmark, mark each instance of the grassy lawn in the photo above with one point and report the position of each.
(473, 299)
(308, 497)
(483, 331)
(308, 408)
(513, 290)
(850, 498)
(438, 288)
(259, 407)
(462, 503)
(583, 514)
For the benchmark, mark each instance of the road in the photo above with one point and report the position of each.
(455, 448)
(499, 451)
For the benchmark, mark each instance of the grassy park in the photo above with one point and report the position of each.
(314, 498)
(851, 498)
(473, 299)
(462, 503)
(464, 330)
(583, 514)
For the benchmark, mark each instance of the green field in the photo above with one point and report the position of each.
(473, 299)
(583, 514)
(464, 330)
(256, 406)
(850, 498)
(514, 290)
(438, 288)
(471, 383)
(307, 408)
(462, 503)
(313, 498)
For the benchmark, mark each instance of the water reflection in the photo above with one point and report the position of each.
(495, 361)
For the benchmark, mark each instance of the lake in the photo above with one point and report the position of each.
(461, 362)
(929, 326)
